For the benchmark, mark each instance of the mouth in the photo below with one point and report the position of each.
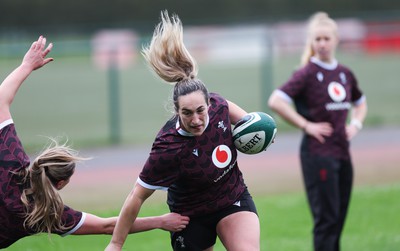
(323, 52)
(197, 127)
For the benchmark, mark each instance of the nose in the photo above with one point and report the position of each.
(322, 43)
(195, 119)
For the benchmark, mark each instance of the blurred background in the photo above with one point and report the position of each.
(99, 91)
(100, 95)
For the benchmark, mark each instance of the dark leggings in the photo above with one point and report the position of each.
(328, 182)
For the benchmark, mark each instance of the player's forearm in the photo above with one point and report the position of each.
(359, 113)
(126, 220)
(10, 85)
(286, 111)
(235, 112)
(145, 224)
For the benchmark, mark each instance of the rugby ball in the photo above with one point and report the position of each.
(254, 132)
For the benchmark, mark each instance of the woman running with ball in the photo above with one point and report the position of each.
(193, 157)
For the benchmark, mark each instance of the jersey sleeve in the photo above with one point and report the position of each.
(72, 220)
(357, 96)
(162, 166)
(12, 153)
(295, 85)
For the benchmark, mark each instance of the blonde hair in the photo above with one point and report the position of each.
(43, 204)
(171, 61)
(167, 54)
(316, 20)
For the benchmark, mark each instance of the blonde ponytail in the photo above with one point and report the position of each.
(171, 61)
(43, 204)
(167, 54)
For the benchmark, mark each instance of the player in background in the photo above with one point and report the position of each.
(323, 92)
(29, 198)
(193, 157)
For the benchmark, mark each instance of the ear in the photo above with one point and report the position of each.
(61, 184)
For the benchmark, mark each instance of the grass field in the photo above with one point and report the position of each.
(371, 225)
(70, 96)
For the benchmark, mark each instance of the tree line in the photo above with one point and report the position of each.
(61, 15)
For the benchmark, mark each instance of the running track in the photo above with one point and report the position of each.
(104, 181)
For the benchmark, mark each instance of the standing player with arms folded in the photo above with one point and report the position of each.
(323, 91)
(193, 157)
(29, 198)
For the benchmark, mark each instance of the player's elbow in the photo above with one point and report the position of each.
(273, 102)
(109, 225)
(105, 225)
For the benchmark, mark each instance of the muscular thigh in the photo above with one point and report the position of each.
(240, 231)
(239, 228)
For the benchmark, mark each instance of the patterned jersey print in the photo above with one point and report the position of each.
(324, 93)
(200, 173)
(13, 159)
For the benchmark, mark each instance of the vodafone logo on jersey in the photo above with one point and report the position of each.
(221, 156)
(336, 91)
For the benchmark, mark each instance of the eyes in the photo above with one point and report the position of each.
(200, 111)
(322, 39)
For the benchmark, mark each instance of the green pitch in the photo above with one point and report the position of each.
(285, 225)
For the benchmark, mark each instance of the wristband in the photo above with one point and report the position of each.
(357, 123)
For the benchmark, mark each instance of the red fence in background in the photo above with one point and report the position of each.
(382, 37)
(355, 35)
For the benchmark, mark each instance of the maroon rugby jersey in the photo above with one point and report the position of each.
(324, 93)
(200, 172)
(13, 158)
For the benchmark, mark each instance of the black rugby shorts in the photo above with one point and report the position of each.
(201, 232)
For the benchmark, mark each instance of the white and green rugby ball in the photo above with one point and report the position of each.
(254, 132)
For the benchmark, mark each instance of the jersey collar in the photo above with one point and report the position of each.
(326, 66)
